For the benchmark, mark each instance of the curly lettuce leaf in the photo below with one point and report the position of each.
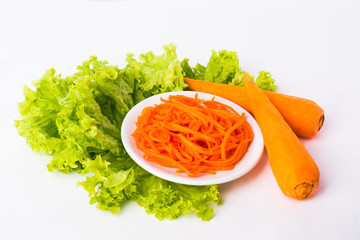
(197, 72)
(112, 185)
(223, 67)
(169, 200)
(153, 74)
(266, 82)
(76, 118)
(39, 112)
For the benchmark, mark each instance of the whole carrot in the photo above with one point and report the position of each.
(304, 116)
(295, 171)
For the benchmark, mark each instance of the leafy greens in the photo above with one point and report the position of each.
(223, 67)
(77, 120)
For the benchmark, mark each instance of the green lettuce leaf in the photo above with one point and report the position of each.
(223, 67)
(113, 184)
(266, 82)
(154, 74)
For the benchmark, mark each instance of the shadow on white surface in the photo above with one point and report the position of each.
(226, 188)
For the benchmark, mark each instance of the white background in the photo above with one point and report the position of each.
(310, 47)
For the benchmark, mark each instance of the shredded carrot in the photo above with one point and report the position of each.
(192, 135)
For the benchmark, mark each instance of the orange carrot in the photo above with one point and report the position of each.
(193, 135)
(304, 116)
(295, 171)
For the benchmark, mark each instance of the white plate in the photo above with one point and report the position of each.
(249, 160)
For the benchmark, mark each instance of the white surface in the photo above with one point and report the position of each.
(312, 50)
(248, 161)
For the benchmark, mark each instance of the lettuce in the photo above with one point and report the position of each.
(77, 120)
(223, 67)
(154, 74)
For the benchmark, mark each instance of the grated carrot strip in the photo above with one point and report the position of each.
(192, 135)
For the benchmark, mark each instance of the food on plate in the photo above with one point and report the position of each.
(192, 135)
(304, 116)
(295, 171)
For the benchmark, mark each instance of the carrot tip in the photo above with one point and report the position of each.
(321, 121)
(303, 190)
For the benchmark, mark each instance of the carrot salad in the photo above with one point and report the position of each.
(193, 135)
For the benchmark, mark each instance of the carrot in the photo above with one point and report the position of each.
(193, 135)
(295, 171)
(304, 116)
